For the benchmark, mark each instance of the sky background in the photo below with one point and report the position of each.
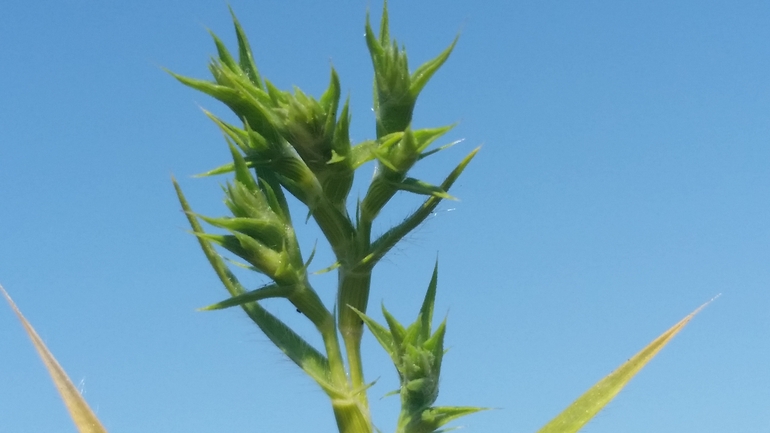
(623, 181)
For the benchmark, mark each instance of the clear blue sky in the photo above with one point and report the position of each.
(624, 180)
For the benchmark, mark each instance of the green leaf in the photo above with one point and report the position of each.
(334, 266)
(82, 415)
(384, 243)
(362, 153)
(577, 414)
(245, 56)
(439, 149)
(222, 169)
(421, 76)
(397, 153)
(275, 198)
(246, 100)
(224, 55)
(229, 280)
(265, 230)
(375, 47)
(245, 203)
(397, 331)
(383, 336)
(330, 100)
(426, 311)
(423, 188)
(256, 253)
(242, 173)
(268, 291)
(435, 344)
(441, 415)
(298, 179)
(384, 24)
(426, 136)
(341, 142)
(223, 93)
(249, 141)
(310, 360)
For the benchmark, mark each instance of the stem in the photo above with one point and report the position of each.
(312, 306)
(354, 285)
(351, 416)
(354, 281)
(353, 292)
(335, 225)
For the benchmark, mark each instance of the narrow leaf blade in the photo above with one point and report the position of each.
(269, 291)
(245, 56)
(426, 311)
(441, 415)
(423, 188)
(382, 335)
(421, 76)
(589, 404)
(82, 415)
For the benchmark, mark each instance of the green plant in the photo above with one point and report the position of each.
(289, 142)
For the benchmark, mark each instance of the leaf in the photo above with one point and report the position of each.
(420, 187)
(439, 149)
(421, 76)
(268, 291)
(384, 243)
(224, 55)
(245, 56)
(589, 404)
(383, 336)
(426, 311)
(84, 418)
(289, 342)
(334, 266)
(222, 169)
(362, 153)
(438, 416)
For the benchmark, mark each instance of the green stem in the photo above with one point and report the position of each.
(335, 225)
(354, 292)
(351, 416)
(312, 306)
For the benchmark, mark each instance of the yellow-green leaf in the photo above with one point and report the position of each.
(589, 404)
(84, 418)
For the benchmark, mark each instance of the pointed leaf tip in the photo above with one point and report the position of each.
(82, 415)
(595, 399)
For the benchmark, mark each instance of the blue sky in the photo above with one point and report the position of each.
(623, 181)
